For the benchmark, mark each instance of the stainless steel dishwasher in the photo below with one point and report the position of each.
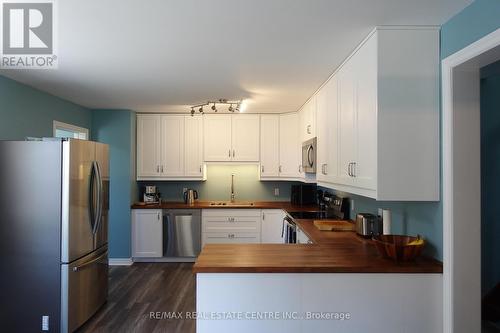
(182, 233)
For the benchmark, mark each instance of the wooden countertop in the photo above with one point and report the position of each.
(332, 252)
(285, 205)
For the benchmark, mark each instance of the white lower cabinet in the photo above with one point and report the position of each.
(147, 233)
(302, 237)
(231, 226)
(272, 226)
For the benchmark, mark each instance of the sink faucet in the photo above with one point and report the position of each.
(232, 187)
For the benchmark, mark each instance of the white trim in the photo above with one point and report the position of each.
(65, 126)
(472, 51)
(120, 261)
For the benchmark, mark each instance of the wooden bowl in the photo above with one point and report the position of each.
(397, 248)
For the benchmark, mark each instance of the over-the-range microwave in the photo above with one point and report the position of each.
(309, 156)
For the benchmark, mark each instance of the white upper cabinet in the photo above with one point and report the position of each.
(193, 152)
(232, 138)
(327, 131)
(169, 147)
(172, 145)
(307, 120)
(290, 146)
(246, 137)
(388, 118)
(269, 145)
(217, 138)
(148, 146)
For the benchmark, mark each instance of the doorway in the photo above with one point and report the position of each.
(461, 148)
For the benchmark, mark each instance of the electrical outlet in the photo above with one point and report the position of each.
(352, 205)
(276, 191)
(45, 323)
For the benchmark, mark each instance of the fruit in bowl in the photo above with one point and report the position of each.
(399, 247)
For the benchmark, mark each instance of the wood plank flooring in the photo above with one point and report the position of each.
(137, 290)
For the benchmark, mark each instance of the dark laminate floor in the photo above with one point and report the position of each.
(137, 290)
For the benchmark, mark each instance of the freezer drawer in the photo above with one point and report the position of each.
(84, 288)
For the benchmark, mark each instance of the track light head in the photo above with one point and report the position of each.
(231, 108)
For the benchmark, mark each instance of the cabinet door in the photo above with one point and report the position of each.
(290, 146)
(269, 145)
(193, 146)
(365, 169)
(148, 145)
(327, 132)
(147, 231)
(172, 146)
(272, 226)
(217, 138)
(245, 137)
(346, 123)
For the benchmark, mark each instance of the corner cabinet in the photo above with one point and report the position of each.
(147, 233)
(169, 147)
(382, 111)
(232, 138)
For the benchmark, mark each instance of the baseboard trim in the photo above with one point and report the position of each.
(120, 261)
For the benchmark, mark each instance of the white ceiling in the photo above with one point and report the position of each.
(159, 55)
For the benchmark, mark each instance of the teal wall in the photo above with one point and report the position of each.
(26, 111)
(474, 22)
(117, 128)
(490, 176)
(218, 185)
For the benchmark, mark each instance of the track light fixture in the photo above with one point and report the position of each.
(223, 101)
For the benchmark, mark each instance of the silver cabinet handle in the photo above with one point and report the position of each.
(229, 153)
(162, 169)
(158, 215)
(280, 169)
(233, 153)
(230, 235)
(262, 169)
(349, 169)
(326, 169)
(301, 168)
(263, 216)
(230, 219)
(354, 169)
(200, 168)
(157, 169)
(308, 129)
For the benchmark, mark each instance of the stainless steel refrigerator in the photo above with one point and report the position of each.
(54, 199)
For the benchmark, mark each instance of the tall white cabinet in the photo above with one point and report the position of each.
(233, 137)
(386, 134)
(169, 147)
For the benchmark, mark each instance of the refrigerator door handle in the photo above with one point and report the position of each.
(88, 263)
(100, 198)
(92, 199)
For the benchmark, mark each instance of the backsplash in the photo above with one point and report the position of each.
(247, 185)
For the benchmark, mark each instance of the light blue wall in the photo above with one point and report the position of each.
(490, 176)
(218, 184)
(474, 22)
(26, 111)
(117, 128)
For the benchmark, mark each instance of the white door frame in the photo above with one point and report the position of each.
(462, 182)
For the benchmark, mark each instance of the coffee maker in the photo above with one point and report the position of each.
(151, 195)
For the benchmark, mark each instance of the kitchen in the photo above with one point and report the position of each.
(220, 182)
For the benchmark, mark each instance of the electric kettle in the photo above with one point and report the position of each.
(190, 196)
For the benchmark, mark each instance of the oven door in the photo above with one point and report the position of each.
(309, 156)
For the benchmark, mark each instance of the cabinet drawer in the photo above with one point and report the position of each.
(230, 237)
(231, 213)
(231, 226)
